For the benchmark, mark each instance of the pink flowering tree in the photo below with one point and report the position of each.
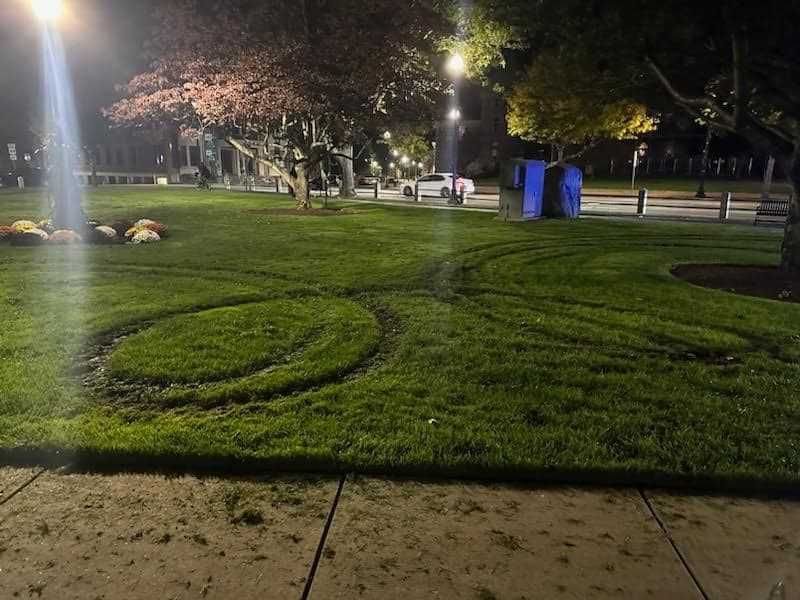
(304, 76)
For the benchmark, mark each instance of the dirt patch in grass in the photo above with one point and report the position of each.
(295, 212)
(763, 282)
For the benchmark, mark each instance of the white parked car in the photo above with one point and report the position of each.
(440, 185)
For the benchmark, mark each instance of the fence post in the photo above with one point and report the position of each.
(641, 207)
(725, 206)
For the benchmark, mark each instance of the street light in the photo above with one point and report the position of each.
(47, 10)
(456, 66)
(455, 116)
(404, 161)
(387, 135)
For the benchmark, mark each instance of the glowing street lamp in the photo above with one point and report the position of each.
(387, 135)
(47, 10)
(456, 66)
(395, 153)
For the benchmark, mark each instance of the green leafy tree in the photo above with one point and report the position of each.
(731, 63)
(413, 141)
(567, 102)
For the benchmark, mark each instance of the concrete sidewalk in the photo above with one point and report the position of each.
(77, 536)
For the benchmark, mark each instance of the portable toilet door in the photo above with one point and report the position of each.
(533, 189)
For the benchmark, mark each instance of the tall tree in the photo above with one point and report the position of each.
(299, 78)
(563, 100)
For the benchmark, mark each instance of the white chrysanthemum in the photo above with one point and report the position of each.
(145, 236)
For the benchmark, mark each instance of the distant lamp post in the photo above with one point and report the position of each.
(420, 166)
(638, 154)
(455, 67)
(387, 135)
(47, 10)
(404, 161)
(455, 116)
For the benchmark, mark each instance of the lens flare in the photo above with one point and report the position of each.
(47, 10)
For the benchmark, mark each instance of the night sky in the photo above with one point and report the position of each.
(103, 41)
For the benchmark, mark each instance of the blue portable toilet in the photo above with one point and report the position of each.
(562, 192)
(522, 190)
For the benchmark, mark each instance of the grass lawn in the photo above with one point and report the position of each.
(396, 340)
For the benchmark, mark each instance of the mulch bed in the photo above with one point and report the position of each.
(763, 282)
(294, 212)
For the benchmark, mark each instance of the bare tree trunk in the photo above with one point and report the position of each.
(301, 188)
(790, 249)
(348, 187)
(94, 172)
(701, 189)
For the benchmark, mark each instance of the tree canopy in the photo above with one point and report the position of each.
(302, 76)
(734, 64)
(563, 100)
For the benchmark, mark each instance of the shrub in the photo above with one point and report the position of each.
(121, 227)
(29, 237)
(159, 228)
(145, 236)
(65, 236)
(46, 226)
(103, 234)
(143, 223)
(20, 226)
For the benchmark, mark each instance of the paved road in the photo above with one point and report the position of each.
(667, 205)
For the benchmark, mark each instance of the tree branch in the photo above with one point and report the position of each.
(586, 147)
(740, 95)
(727, 121)
(285, 175)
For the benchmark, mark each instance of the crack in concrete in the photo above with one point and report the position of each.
(684, 561)
(323, 539)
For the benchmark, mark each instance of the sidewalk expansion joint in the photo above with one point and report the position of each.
(21, 488)
(323, 539)
(672, 543)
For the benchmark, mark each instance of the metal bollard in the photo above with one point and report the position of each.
(641, 208)
(377, 189)
(277, 185)
(725, 206)
(417, 194)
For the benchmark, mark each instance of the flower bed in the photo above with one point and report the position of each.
(32, 233)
